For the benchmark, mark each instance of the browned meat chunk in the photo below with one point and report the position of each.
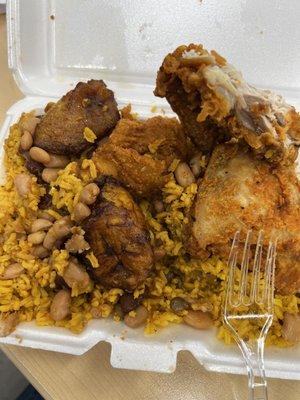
(240, 192)
(205, 91)
(118, 235)
(89, 105)
(139, 153)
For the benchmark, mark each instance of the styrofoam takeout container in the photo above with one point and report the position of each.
(54, 44)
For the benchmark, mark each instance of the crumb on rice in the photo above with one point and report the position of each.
(89, 135)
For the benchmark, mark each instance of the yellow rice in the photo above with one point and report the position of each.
(199, 282)
(89, 135)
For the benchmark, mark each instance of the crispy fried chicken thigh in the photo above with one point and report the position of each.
(240, 192)
(139, 153)
(91, 105)
(205, 91)
(117, 233)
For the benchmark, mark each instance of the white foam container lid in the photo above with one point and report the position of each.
(124, 42)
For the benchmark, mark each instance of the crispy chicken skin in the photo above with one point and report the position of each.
(89, 105)
(239, 192)
(139, 153)
(187, 106)
(118, 236)
(205, 91)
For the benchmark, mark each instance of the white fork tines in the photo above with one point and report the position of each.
(255, 293)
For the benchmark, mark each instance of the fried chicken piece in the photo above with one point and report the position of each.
(89, 105)
(204, 135)
(214, 102)
(117, 233)
(139, 153)
(240, 192)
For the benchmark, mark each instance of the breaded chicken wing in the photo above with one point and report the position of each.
(90, 105)
(139, 153)
(240, 192)
(117, 233)
(205, 91)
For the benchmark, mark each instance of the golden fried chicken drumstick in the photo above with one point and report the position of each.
(213, 101)
(117, 233)
(89, 104)
(139, 153)
(240, 192)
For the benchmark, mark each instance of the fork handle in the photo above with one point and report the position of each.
(254, 360)
(258, 391)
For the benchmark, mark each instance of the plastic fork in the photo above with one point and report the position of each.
(251, 293)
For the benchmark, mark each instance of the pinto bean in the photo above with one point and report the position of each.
(40, 224)
(291, 327)
(39, 155)
(198, 319)
(50, 174)
(26, 141)
(60, 306)
(184, 175)
(40, 252)
(29, 124)
(59, 230)
(62, 227)
(57, 161)
(12, 271)
(49, 240)
(89, 194)
(8, 323)
(22, 184)
(47, 216)
(139, 319)
(75, 276)
(81, 211)
(36, 237)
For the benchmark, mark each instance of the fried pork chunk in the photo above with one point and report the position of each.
(61, 130)
(139, 153)
(117, 233)
(240, 192)
(214, 102)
